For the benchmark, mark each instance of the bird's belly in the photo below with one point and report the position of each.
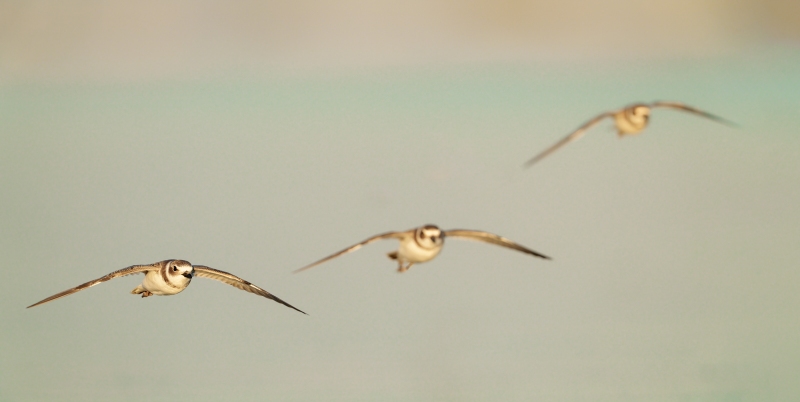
(624, 126)
(411, 252)
(155, 284)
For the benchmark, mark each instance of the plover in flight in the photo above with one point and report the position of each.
(424, 243)
(170, 277)
(630, 120)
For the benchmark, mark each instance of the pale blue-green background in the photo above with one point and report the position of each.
(675, 273)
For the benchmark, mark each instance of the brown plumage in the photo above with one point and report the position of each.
(630, 120)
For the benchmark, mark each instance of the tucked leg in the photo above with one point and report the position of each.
(402, 268)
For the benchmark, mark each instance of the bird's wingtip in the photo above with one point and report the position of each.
(295, 308)
(530, 162)
(730, 124)
(302, 269)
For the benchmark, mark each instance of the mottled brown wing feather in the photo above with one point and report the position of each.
(133, 269)
(492, 239)
(239, 283)
(690, 109)
(387, 235)
(574, 136)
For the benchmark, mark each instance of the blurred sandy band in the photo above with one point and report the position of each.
(89, 40)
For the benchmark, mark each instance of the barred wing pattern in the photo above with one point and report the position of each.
(239, 283)
(490, 238)
(577, 134)
(133, 269)
(382, 236)
(690, 109)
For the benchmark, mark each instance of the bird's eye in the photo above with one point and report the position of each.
(422, 234)
(174, 269)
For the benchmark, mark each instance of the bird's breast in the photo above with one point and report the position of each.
(626, 125)
(410, 251)
(156, 284)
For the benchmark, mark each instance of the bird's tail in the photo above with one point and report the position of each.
(392, 255)
(138, 290)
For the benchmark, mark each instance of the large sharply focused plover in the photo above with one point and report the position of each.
(424, 243)
(170, 277)
(630, 120)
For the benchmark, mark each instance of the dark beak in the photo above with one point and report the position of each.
(188, 274)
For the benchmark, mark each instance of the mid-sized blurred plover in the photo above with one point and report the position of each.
(422, 244)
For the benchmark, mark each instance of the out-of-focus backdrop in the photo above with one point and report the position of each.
(124, 41)
(257, 137)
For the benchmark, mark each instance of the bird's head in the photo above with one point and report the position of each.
(639, 113)
(429, 236)
(180, 271)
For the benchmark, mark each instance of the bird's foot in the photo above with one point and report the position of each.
(146, 293)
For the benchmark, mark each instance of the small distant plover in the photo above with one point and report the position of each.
(630, 120)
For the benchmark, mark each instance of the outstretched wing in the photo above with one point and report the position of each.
(133, 269)
(577, 134)
(237, 282)
(491, 239)
(387, 235)
(687, 108)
